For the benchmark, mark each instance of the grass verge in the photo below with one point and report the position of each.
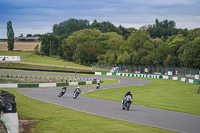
(56, 119)
(161, 93)
(30, 57)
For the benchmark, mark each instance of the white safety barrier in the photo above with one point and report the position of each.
(175, 78)
(47, 84)
(73, 83)
(8, 85)
(88, 82)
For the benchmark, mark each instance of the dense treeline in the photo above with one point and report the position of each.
(160, 44)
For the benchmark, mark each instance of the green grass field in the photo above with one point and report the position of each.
(161, 93)
(29, 57)
(165, 94)
(32, 58)
(56, 119)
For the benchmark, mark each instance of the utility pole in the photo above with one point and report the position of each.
(50, 49)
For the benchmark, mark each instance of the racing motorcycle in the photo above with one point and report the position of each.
(126, 103)
(76, 93)
(62, 92)
(98, 85)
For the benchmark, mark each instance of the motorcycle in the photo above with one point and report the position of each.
(76, 93)
(97, 86)
(62, 92)
(126, 103)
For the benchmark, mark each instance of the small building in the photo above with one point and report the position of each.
(27, 39)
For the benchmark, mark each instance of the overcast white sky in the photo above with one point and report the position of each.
(39, 16)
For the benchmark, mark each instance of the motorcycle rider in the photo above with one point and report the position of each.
(64, 89)
(98, 85)
(127, 93)
(77, 89)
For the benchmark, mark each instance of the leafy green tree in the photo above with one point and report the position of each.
(68, 27)
(29, 35)
(49, 44)
(88, 52)
(165, 28)
(159, 54)
(174, 44)
(21, 35)
(191, 57)
(10, 35)
(110, 43)
(137, 40)
(103, 26)
(79, 44)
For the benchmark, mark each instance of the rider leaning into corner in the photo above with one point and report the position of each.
(77, 89)
(64, 89)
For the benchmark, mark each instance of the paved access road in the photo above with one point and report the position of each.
(175, 121)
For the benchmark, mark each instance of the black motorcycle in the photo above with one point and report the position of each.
(62, 92)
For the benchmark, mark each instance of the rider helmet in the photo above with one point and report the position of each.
(128, 91)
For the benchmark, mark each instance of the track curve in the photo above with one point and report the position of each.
(170, 120)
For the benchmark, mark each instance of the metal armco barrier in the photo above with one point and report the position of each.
(8, 109)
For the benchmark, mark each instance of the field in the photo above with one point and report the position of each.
(55, 119)
(22, 46)
(161, 93)
(30, 60)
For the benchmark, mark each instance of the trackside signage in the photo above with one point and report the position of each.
(10, 58)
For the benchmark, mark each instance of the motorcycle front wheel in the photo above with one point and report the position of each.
(60, 94)
(128, 106)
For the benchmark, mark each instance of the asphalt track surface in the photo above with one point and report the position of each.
(170, 120)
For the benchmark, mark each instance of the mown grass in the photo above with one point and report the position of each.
(56, 119)
(161, 93)
(33, 58)
(30, 57)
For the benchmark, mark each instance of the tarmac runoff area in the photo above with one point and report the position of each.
(170, 120)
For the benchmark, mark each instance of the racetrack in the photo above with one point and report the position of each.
(175, 121)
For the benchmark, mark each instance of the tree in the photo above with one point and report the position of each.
(137, 40)
(68, 27)
(88, 52)
(49, 45)
(174, 44)
(29, 35)
(165, 28)
(10, 35)
(21, 35)
(103, 26)
(191, 57)
(82, 46)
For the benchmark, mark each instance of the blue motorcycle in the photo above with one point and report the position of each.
(126, 103)
(76, 93)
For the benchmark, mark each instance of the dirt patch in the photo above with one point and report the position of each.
(25, 126)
